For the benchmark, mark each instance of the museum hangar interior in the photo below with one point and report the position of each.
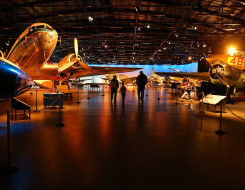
(106, 94)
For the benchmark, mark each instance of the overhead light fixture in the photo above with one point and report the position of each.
(90, 19)
(164, 48)
(204, 45)
(189, 58)
(229, 29)
(139, 28)
(148, 26)
(106, 46)
(195, 27)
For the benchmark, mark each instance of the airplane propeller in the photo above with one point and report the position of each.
(77, 63)
(217, 72)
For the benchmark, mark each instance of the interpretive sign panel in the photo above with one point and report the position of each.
(213, 99)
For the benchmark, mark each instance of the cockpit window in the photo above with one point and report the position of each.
(32, 28)
(40, 26)
(48, 27)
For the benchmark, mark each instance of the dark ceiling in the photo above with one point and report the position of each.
(127, 31)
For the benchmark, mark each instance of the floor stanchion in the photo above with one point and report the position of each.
(78, 102)
(158, 95)
(220, 131)
(36, 103)
(9, 168)
(88, 94)
(103, 90)
(60, 124)
(202, 104)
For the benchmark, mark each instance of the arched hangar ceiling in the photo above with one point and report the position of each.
(130, 31)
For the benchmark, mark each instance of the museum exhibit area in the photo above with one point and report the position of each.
(122, 94)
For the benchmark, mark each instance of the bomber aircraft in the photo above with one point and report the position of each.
(219, 73)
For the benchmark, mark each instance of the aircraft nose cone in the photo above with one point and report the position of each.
(23, 83)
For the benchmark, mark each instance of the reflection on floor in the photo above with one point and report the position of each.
(103, 145)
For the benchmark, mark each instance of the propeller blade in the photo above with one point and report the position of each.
(223, 81)
(66, 66)
(85, 66)
(76, 47)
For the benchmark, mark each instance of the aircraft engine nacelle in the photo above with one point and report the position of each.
(68, 64)
(13, 81)
(223, 73)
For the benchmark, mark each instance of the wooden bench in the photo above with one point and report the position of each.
(16, 104)
(64, 89)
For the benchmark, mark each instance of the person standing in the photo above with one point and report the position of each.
(114, 86)
(141, 82)
(123, 90)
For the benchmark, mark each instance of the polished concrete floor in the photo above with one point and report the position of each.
(154, 145)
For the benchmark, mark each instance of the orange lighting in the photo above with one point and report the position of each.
(231, 51)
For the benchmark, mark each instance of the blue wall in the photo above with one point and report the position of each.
(147, 69)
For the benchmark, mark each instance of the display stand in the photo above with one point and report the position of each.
(212, 100)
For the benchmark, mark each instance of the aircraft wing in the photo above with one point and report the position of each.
(130, 79)
(196, 75)
(103, 70)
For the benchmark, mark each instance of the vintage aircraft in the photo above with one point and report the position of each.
(219, 73)
(34, 47)
(121, 78)
(13, 81)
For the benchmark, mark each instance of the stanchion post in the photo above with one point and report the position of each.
(103, 90)
(202, 104)
(78, 102)
(88, 94)
(9, 168)
(176, 103)
(158, 95)
(60, 124)
(36, 103)
(220, 131)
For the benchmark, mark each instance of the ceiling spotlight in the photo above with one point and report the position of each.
(169, 42)
(195, 27)
(106, 46)
(139, 28)
(134, 53)
(90, 19)
(204, 45)
(148, 26)
(189, 58)
(176, 35)
(159, 50)
(164, 48)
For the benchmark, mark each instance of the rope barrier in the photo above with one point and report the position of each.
(234, 113)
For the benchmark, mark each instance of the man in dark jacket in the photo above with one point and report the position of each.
(114, 86)
(141, 82)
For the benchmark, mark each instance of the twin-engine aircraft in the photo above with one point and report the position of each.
(30, 54)
(34, 47)
(121, 78)
(219, 73)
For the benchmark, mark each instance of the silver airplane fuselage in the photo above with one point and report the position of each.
(33, 48)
